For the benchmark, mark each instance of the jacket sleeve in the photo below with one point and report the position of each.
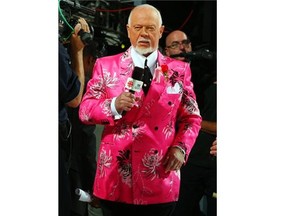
(95, 107)
(188, 116)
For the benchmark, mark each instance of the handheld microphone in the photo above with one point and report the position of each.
(136, 75)
(134, 83)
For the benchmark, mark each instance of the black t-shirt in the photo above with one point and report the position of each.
(83, 158)
(69, 84)
(200, 153)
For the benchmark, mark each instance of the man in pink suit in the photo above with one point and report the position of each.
(147, 136)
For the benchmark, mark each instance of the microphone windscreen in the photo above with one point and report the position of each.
(137, 73)
(178, 55)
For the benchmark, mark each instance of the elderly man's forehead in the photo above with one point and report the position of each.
(145, 14)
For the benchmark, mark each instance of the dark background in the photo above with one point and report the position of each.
(109, 18)
(196, 18)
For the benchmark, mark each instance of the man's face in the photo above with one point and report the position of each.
(145, 31)
(177, 42)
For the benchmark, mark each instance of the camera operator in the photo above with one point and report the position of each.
(71, 86)
(84, 146)
(198, 176)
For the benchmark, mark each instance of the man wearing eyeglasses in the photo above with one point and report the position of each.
(177, 42)
(198, 176)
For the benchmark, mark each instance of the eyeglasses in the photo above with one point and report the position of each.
(176, 44)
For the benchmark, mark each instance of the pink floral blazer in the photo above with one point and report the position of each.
(129, 167)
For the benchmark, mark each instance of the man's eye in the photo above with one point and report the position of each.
(150, 28)
(174, 44)
(137, 28)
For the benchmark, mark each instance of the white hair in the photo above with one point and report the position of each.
(147, 6)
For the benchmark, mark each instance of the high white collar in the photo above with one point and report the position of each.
(139, 60)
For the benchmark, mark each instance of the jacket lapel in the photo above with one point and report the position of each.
(157, 88)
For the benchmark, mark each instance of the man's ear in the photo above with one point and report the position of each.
(128, 31)
(162, 30)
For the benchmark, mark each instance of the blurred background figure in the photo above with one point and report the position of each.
(71, 87)
(179, 43)
(198, 176)
(84, 137)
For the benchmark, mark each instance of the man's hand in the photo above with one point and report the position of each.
(213, 148)
(124, 102)
(75, 40)
(174, 159)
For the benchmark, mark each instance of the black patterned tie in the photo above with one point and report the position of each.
(147, 77)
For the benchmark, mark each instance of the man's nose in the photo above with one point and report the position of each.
(143, 31)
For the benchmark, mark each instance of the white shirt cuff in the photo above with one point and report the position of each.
(114, 111)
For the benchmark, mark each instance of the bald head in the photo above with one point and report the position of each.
(177, 42)
(175, 36)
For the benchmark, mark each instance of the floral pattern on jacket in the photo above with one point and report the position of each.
(130, 158)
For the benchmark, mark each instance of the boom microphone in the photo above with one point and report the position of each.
(199, 54)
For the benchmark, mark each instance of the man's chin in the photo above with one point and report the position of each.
(144, 51)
